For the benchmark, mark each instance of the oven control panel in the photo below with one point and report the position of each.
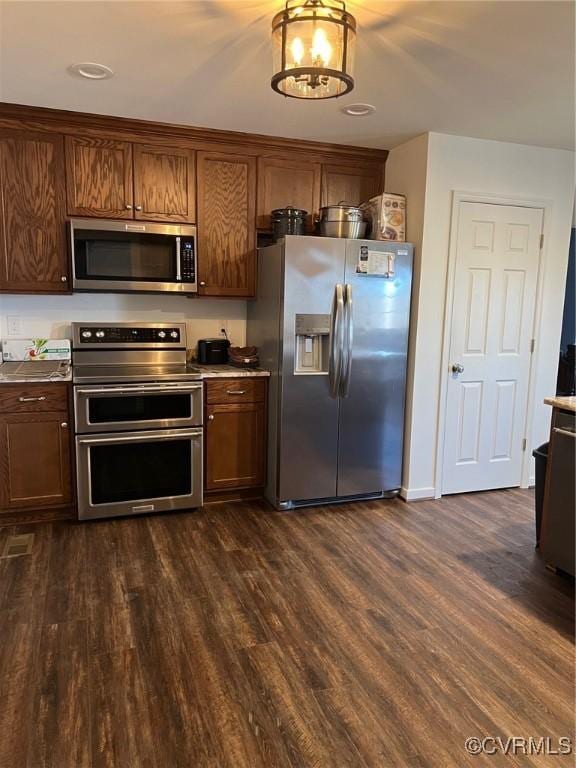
(129, 335)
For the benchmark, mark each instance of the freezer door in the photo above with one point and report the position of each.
(308, 412)
(374, 376)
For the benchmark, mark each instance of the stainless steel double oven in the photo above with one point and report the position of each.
(138, 420)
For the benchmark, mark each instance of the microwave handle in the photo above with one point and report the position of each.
(178, 261)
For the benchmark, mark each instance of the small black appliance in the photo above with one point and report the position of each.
(213, 351)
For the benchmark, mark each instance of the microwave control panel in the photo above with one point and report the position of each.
(188, 261)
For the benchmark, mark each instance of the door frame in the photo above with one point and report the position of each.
(459, 197)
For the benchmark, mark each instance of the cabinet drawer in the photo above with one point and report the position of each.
(243, 390)
(22, 398)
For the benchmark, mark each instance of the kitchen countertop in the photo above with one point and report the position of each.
(565, 403)
(48, 379)
(205, 371)
(226, 371)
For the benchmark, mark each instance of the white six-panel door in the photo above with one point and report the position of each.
(497, 259)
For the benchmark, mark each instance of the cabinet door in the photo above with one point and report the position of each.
(99, 177)
(164, 184)
(34, 460)
(283, 182)
(226, 224)
(351, 184)
(33, 252)
(235, 437)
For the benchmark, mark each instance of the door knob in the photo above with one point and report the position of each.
(457, 368)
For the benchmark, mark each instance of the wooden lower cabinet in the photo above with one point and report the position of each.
(35, 449)
(235, 444)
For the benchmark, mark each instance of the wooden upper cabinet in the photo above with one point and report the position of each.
(284, 182)
(351, 184)
(226, 224)
(99, 177)
(164, 183)
(33, 251)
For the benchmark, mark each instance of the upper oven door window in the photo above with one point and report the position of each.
(124, 256)
(153, 407)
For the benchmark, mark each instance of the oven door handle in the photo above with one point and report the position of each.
(140, 438)
(139, 389)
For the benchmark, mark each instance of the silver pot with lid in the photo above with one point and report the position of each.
(342, 220)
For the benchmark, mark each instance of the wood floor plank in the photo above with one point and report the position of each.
(61, 719)
(369, 635)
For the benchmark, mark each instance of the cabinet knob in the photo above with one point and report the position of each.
(211, 417)
(64, 425)
(202, 283)
(64, 278)
(128, 207)
(138, 207)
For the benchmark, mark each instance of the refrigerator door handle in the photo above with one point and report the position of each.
(348, 342)
(335, 369)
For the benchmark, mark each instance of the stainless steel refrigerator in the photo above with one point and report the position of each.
(331, 323)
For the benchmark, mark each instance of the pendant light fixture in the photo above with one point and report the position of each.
(313, 42)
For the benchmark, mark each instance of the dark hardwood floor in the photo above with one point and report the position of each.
(371, 635)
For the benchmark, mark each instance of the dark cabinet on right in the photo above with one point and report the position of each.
(235, 443)
(558, 528)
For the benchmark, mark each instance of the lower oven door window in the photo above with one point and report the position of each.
(140, 472)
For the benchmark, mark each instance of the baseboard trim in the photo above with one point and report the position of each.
(417, 494)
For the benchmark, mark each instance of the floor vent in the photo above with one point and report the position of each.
(18, 545)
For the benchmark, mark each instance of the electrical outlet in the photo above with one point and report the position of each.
(223, 327)
(15, 326)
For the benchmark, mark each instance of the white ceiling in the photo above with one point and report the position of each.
(497, 70)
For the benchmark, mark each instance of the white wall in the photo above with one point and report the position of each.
(406, 174)
(50, 316)
(482, 167)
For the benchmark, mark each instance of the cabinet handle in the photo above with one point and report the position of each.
(63, 278)
(32, 399)
(202, 283)
(138, 207)
(64, 425)
(235, 391)
(565, 432)
(211, 417)
(128, 207)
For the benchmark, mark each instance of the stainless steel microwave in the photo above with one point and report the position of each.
(133, 256)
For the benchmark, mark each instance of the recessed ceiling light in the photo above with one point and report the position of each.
(358, 110)
(91, 70)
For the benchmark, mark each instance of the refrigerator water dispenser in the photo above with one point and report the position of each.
(312, 344)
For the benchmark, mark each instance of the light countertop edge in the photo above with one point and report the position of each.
(227, 371)
(37, 379)
(565, 403)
